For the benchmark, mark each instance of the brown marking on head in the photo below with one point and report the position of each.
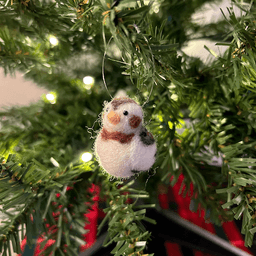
(118, 136)
(134, 121)
(116, 102)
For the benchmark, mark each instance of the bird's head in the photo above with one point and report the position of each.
(122, 115)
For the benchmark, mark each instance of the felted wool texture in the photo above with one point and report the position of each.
(123, 145)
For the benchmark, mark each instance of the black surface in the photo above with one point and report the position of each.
(167, 230)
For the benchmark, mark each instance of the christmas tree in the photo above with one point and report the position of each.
(85, 52)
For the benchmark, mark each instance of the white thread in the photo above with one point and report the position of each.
(103, 68)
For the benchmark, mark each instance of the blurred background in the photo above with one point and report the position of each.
(17, 91)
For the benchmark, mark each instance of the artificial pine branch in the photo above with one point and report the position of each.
(124, 223)
(29, 199)
(217, 98)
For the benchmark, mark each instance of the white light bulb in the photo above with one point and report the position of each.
(88, 80)
(51, 98)
(86, 157)
(53, 40)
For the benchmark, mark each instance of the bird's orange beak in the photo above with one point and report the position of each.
(113, 117)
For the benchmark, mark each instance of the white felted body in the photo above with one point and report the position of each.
(142, 156)
(120, 159)
(113, 157)
(123, 145)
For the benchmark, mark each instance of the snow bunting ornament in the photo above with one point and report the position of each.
(123, 146)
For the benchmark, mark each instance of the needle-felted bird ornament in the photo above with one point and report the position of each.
(123, 146)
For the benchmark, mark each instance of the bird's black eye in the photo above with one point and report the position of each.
(107, 109)
(125, 113)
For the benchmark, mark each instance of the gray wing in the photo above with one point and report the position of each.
(146, 137)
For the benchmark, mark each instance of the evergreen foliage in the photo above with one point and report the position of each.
(140, 51)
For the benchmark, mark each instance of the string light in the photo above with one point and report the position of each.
(51, 97)
(86, 157)
(88, 81)
(53, 40)
(155, 6)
